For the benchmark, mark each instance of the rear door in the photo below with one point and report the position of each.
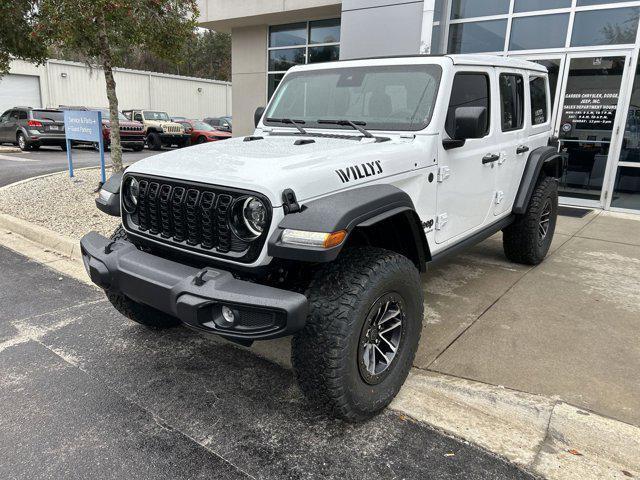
(466, 181)
(511, 136)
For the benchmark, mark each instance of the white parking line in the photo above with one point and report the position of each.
(16, 159)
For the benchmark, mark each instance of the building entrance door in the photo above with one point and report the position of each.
(587, 121)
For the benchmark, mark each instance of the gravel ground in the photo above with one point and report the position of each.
(59, 203)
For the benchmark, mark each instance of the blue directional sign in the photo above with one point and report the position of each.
(86, 126)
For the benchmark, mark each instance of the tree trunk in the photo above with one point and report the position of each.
(107, 65)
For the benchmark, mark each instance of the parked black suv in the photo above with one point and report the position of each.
(30, 128)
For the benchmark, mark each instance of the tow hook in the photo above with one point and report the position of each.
(203, 276)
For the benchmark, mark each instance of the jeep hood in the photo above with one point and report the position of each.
(275, 163)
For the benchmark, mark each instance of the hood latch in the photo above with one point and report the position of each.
(290, 202)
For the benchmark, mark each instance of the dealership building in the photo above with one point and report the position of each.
(589, 46)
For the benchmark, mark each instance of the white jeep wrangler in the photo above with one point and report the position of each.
(358, 176)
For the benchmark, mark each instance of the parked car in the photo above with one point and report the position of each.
(359, 176)
(131, 132)
(30, 128)
(203, 132)
(220, 123)
(158, 128)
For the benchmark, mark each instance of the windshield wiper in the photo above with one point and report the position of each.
(348, 123)
(288, 121)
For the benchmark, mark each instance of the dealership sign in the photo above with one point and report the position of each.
(84, 126)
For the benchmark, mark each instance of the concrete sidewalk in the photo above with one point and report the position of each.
(569, 328)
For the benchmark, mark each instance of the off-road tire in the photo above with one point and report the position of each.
(138, 312)
(184, 143)
(522, 240)
(326, 353)
(138, 148)
(153, 141)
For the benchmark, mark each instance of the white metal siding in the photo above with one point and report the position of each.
(19, 90)
(75, 84)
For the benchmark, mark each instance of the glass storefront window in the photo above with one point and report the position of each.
(626, 190)
(590, 105)
(324, 54)
(315, 41)
(475, 8)
(288, 35)
(286, 58)
(584, 3)
(605, 27)
(324, 31)
(525, 32)
(475, 37)
(533, 5)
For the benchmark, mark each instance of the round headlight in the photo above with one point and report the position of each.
(249, 218)
(130, 192)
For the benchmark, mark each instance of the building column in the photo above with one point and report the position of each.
(428, 8)
(377, 28)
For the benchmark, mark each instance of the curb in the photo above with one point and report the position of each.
(542, 435)
(42, 236)
(5, 149)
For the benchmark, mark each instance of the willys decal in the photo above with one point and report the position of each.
(358, 172)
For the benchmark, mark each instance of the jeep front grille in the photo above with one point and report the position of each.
(191, 216)
(172, 129)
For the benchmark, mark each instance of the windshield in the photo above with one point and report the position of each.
(107, 116)
(398, 97)
(202, 126)
(149, 115)
(53, 115)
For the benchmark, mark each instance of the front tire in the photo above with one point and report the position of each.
(528, 239)
(22, 142)
(154, 142)
(362, 332)
(138, 312)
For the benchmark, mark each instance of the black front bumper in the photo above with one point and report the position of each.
(195, 296)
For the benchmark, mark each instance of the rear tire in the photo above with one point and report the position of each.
(349, 300)
(528, 239)
(138, 312)
(153, 141)
(138, 148)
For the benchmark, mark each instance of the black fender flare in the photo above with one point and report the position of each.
(347, 210)
(109, 201)
(543, 159)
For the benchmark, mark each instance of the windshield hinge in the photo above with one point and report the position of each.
(290, 202)
(443, 174)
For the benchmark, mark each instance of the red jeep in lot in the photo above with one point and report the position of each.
(131, 132)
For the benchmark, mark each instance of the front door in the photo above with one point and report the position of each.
(587, 120)
(466, 178)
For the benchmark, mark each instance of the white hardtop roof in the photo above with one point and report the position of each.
(475, 60)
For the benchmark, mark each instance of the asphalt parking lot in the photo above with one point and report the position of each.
(22, 165)
(86, 393)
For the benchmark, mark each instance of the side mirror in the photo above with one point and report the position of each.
(469, 122)
(257, 116)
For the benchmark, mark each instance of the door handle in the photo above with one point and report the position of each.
(492, 157)
(522, 149)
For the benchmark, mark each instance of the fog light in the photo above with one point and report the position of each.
(228, 314)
